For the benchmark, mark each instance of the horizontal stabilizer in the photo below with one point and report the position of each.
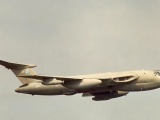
(10, 65)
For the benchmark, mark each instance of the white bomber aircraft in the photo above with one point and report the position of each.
(103, 86)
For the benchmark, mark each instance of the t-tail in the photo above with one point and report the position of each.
(20, 70)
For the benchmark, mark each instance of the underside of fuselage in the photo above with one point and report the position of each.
(40, 89)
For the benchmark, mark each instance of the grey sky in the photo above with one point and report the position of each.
(71, 37)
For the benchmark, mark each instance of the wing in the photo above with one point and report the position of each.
(107, 81)
(99, 96)
(45, 78)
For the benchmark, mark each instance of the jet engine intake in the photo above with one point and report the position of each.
(108, 95)
(52, 81)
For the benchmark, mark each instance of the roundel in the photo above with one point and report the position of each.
(26, 71)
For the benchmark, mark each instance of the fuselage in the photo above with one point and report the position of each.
(147, 80)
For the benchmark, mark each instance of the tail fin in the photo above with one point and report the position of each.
(20, 70)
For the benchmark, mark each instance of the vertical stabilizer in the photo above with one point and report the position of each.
(20, 70)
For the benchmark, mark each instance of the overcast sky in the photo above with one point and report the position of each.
(72, 37)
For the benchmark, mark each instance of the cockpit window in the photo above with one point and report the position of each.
(157, 73)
